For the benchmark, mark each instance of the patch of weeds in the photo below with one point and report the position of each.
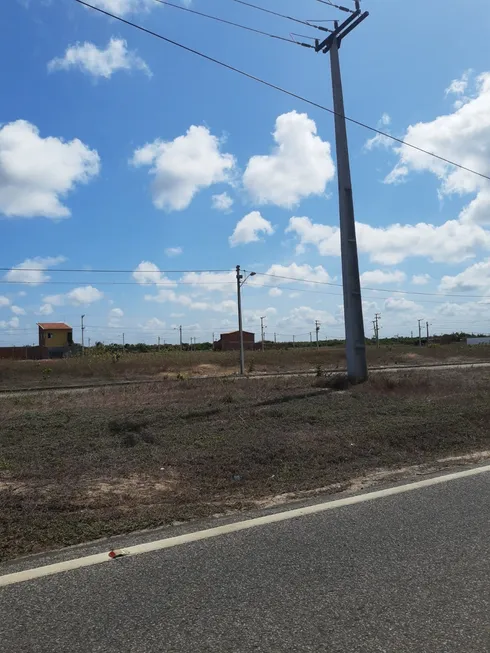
(46, 373)
(251, 366)
(318, 371)
(23, 401)
(334, 381)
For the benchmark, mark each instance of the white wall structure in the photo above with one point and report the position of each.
(478, 341)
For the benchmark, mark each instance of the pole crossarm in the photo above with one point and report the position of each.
(341, 31)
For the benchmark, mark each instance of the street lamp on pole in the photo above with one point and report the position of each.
(240, 280)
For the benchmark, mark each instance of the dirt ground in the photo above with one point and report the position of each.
(77, 467)
(99, 368)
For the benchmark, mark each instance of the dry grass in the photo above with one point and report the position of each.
(149, 366)
(80, 466)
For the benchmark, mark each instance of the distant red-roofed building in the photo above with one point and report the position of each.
(57, 337)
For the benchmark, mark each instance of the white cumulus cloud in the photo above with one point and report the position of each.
(153, 324)
(173, 251)
(299, 166)
(451, 242)
(304, 317)
(211, 281)
(165, 295)
(380, 140)
(421, 279)
(401, 304)
(124, 7)
(45, 309)
(474, 278)
(4, 301)
(222, 202)
(13, 323)
(84, 295)
(37, 173)
(17, 310)
(380, 277)
(147, 273)
(99, 62)
(249, 229)
(287, 273)
(32, 270)
(275, 292)
(81, 296)
(462, 136)
(116, 312)
(182, 167)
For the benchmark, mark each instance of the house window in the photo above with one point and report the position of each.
(50, 335)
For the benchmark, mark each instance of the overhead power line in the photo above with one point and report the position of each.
(113, 271)
(331, 4)
(229, 22)
(282, 90)
(276, 13)
(168, 284)
(388, 290)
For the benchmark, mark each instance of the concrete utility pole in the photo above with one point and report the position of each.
(275, 338)
(123, 341)
(293, 341)
(420, 333)
(158, 343)
(240, 280)
(89, 343)
(354, 324)
(262, 332)
(180, 336)
(311, 337)
(377, 318)
(427, 329)
(83, 329)
(240, 319)
(317, 329)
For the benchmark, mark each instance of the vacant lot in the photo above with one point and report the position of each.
(95, 368)
(80, 466)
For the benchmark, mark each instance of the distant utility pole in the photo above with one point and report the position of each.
(317, 329)
(240, 280)
(311, 337)
(89, 343)
(293, 341)
(420, 333)
(427, 329)
(354, 324)
(158, 343)
(275, 338)
(180, 335)
(262, 332)
(123, 341)
(377, 318)
(83, 329)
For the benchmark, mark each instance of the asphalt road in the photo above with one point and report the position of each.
(405, 573)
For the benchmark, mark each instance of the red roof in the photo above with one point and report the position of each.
(53, 326)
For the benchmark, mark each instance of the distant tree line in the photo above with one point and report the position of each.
(141, 347)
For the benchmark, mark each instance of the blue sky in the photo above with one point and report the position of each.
(113, 145)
